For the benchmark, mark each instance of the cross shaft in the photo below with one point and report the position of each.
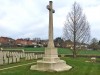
(51, 11)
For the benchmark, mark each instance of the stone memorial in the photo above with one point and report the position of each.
(35, 56)
(26, 56)
(16, 56)
(1, 58)
(14, 59)
(10, 60)
(5, 58)
(31, 57)
(50, 61)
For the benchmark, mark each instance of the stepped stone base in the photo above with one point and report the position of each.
(51, 66)
(51, 62)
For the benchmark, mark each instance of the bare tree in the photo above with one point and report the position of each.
(76, 27)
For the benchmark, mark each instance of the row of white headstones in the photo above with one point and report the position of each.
(7, 57)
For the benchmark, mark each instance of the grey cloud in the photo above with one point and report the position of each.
(2, 14)
(29, 18)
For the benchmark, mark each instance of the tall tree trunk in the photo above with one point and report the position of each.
(74, 49)
(74, 54)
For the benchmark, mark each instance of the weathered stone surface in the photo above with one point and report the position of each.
(1, 58)
(51, 61)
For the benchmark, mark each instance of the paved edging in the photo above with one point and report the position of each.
(16, 66)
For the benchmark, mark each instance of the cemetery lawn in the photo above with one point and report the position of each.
(63, 51)
(23, 61)
(80, 67)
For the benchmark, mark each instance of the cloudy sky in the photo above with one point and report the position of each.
(29, 18)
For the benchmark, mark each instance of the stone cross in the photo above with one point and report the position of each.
(51, 62)
(51, 11)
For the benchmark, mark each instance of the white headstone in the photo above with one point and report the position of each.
(1, 58)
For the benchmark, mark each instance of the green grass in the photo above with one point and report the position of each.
(22, 61)
(34, 49)
(28, 49)
(89, 52)
(80, 67)
(65, 51)
(80, 52)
